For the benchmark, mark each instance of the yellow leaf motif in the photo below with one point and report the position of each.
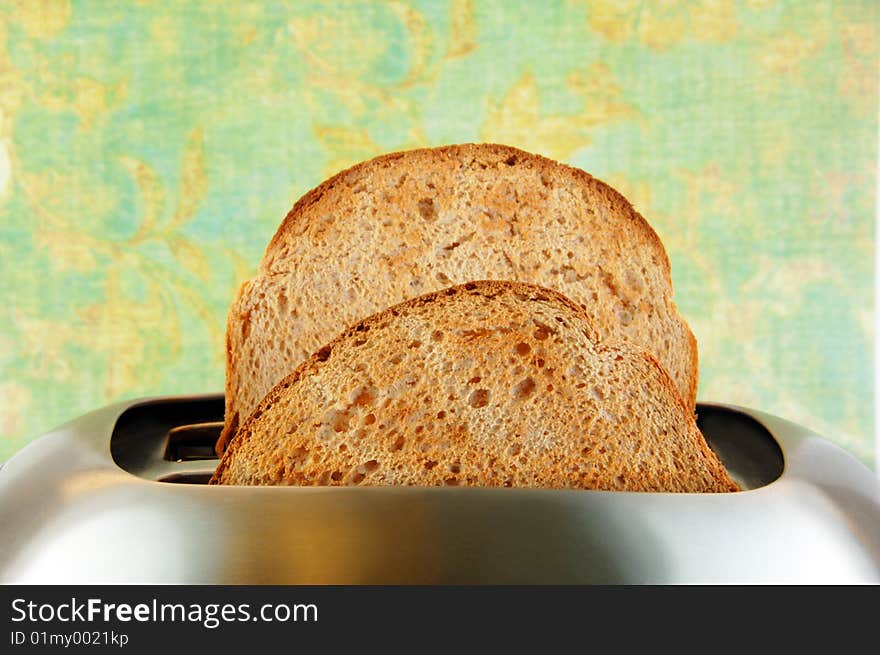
(518, 120)
(660, 27)
(613, 19)
(5, 168)
(860, 54)
(193, 182)
(337, 44)
(713, 20)
(68, 250)
(660, 24)
(165, 34)
(151, 192)
(346, 146)
(785, 53)
(123, 328)
(86, 97)
(92, 98)
(190, 257)
(420, 39)
(463, 28)
(41, 19)
(45, 341)
(15, 400)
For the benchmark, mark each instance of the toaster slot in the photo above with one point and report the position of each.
(169, 439)
(745, 447)
(187, 478)
(187, 443)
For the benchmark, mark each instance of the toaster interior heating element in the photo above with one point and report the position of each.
(119, 496)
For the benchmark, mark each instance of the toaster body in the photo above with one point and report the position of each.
(120, 496)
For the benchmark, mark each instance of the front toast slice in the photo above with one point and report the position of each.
(409, 223)
(485, 384)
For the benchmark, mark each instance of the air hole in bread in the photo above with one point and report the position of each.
(369, 419)
(455, 467)
(324, 354)
(398, 443)
(337, 419)
(363, 396)
(479, 398)
(429, 464)
(451, 482)
(427, 209)
(524, 389)
(523, 349)
(441, 415)
(474, 380)
(414, 344)
(510, 161)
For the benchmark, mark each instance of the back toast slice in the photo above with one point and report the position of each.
(408, 223)
(484, 384)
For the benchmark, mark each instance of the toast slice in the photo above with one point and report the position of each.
(484, 384)
(409, 223)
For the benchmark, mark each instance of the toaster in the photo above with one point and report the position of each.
(120, 495)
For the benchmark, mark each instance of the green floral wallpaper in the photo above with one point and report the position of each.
(148, 150)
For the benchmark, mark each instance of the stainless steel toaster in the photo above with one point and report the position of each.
(119, 496)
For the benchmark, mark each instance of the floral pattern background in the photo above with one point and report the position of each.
(148, 151)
